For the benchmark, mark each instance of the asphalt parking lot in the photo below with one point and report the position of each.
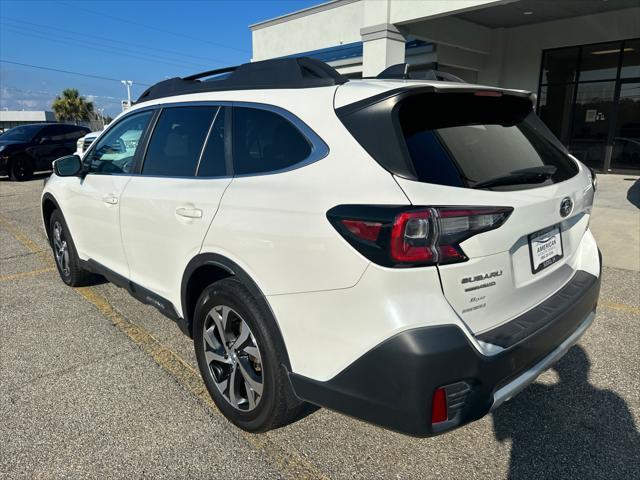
(94, 384)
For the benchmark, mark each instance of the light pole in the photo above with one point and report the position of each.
(128, 84)
(101, 110)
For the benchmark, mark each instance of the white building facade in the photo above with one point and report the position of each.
(15, 118)
(581, 57)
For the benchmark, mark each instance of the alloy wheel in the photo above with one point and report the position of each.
(61, 249)
(233, 357)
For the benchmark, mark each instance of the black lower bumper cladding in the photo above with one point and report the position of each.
(392, 385)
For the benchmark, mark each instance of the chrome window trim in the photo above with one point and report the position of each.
(319, 149)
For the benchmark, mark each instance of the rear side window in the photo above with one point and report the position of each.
(264, 141)
(177, 141)
(468, 140)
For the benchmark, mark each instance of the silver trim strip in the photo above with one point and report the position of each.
(514, 387)
(206, 140)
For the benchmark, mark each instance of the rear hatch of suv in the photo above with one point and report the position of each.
(480, 150)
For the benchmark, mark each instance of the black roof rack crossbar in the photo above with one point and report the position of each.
(278, 73)
(403, 71)
(210, 73)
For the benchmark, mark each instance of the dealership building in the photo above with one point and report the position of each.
(581, 57)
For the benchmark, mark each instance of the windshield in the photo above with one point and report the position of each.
(22, 134)
(467, 140)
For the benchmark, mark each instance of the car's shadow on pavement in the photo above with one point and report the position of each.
(570, 429)
(633, 194)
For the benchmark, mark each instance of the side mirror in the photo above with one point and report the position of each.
(44, 140)
(68, 166)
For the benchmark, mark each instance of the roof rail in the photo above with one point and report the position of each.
(278, 73)
(402, 71)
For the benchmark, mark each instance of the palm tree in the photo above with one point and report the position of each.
(72, 107)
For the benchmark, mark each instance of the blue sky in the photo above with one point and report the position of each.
(143, 41)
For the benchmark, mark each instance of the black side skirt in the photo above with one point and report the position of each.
(138, 292)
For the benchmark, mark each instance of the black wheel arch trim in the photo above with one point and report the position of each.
(48, 197)
(235, 270)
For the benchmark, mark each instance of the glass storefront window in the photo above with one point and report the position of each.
(631, 59)
(600, 62)
(626, 141)
(555, 107)
(594, 105)
(589, 97)
(560, 65)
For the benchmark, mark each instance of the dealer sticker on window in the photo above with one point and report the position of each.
(545, 248)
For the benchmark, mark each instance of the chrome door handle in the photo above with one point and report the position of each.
(110, 199)
(189, 212)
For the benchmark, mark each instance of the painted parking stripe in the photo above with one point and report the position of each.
(289, 464)
(30, 273)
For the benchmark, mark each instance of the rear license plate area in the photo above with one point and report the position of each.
(545, 248)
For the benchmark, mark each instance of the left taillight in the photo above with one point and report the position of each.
(414, 236)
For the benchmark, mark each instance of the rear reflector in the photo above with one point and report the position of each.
(439, 406)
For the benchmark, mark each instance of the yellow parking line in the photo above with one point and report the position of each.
(31, 273)
(289, 464)
(24, 240)
(619, 306)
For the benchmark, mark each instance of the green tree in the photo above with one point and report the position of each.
(70, 106)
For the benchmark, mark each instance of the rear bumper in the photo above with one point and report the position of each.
(392, 385)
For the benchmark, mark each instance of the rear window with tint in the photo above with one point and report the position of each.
(464, 140)
(264, 141)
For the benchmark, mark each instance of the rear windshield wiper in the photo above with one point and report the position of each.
(519, 177)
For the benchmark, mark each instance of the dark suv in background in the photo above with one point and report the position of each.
(30, 148)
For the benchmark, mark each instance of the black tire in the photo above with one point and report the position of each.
(278, 405)
(69, 269)
(21, 168)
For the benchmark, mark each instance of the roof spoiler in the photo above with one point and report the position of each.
(403, 71)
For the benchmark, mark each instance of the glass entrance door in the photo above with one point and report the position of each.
(626, 140)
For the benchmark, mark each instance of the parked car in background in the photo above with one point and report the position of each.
(30, 148)
(85, 142)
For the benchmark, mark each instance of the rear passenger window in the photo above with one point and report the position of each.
(177, 141)
(264, 141)
(212, 163)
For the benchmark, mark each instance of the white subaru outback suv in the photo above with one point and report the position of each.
(410, 253)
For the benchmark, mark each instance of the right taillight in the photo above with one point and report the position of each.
(414, 236)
